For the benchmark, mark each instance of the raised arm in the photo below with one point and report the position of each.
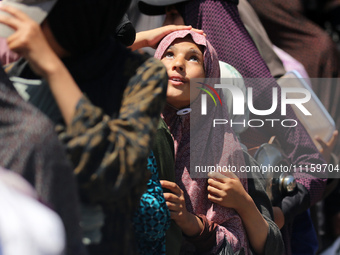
(110, 154)
(151, 38)
(30, 42)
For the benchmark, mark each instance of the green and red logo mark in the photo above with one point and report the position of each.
(204, 97)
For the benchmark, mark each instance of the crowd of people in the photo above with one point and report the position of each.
(100, 139)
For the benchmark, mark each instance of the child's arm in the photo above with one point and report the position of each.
(151, 38)
(228, 191)
(30, 42)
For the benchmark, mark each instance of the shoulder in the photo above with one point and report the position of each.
(144, 67)
(150, 75)
(152, 69)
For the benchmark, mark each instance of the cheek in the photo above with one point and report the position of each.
(197, 72)
(167, 65)
(202, 72)
(194, 91)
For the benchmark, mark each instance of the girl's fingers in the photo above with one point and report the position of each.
(171, 197)
(10, 21)
(216, 183)
(321, 142)
(219, 176)
(172, 206)
(215, 192)
(17, 47)
(199, 31)
(13, 38)
(179, 27)
(172, 28)
(332, 142)
(14, 12)
(171, 186)
(214, 199)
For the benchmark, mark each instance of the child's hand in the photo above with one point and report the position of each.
(190, 224)
(328, 147)
(157, 34)
(227, 190)
(175, 202)
(151, 38)
(29, 41)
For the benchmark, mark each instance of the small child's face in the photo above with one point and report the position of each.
(183, 61)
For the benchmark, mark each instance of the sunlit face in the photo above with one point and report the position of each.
(183, 61)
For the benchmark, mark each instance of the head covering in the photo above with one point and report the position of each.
(35, 9)
(194, 138)
(211, 64)
(81, 25)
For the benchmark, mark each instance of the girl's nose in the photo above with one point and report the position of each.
(179, 64)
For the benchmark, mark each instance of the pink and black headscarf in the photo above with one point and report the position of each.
(220, 145)
(211, 66)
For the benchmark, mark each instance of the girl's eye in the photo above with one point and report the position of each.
(169, 54)
(193, 58)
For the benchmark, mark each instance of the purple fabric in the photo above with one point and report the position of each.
(221, 22)
(225, 31)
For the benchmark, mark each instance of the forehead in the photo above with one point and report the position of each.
(187, 42)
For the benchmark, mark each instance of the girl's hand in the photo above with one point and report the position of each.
(29, 41)
(327, 147)
(175, 202)
(190, 224)
(151, 38)
(227, 190)
(157, 34)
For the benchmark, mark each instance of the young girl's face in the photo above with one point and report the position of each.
(183, 61)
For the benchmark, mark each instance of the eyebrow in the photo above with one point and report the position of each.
(171, 47)
(194, 51)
